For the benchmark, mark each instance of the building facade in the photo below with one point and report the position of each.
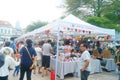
(7, 31)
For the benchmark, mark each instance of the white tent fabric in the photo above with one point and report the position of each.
(75, 23)
(71, 20)
(87, 26)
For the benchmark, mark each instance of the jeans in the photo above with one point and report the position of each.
(4, 78)
(84, 75)
(23, 69)
(119, 73)
(16, 71)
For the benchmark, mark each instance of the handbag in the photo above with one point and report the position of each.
(34, 66)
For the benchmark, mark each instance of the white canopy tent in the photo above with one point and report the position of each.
(75, 26)
(71, 25)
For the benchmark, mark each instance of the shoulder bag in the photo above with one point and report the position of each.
(30, 58)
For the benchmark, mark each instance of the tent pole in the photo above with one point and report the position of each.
(58, 38)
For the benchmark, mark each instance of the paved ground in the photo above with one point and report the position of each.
(97, 76)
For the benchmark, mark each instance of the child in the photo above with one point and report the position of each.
(16, 71)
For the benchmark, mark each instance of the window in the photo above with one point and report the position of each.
(9, 31)
(1, 30)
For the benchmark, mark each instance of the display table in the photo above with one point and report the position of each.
(63, 68)
(110, 64)
(74, 67)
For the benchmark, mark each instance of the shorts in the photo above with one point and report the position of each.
(45, 61)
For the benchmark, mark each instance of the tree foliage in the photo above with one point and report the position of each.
(72, 7)
(113, 11)
(35, 25)
(106, 13)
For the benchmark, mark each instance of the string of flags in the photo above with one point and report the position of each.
(76, 30)
(47, 32)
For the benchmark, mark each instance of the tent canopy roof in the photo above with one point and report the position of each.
(72, 22)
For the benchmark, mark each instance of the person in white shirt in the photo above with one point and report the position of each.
(8, 62)
(47, 50)
(85, 60)
(39, 52)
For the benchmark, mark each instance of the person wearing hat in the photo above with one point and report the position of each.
(117, 60)
(27, 63)
(5, 62)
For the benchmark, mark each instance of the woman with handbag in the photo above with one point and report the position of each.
(27, 62)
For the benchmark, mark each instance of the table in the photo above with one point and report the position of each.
(63, 68)
(110, 64)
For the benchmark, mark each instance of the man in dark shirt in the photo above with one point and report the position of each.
(27, 63)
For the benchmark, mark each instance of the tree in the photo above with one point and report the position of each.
(113, 11)
(75, 6)
(35, 25)
(106, 13)
(72, 7)
(98, 7)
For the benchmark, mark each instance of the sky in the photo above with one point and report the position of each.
(28, 11)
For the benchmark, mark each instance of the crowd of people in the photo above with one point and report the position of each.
(27, 56)
(24, 57)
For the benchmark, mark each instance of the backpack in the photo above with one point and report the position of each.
(2, 59)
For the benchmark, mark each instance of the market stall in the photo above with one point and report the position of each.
(70, 26)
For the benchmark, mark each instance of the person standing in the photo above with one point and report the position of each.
(27, 63)
(6, 61)
(16, 71)
(39, 52)
(17, 68)
(47, 50)
(85, 60)
(13, 45)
